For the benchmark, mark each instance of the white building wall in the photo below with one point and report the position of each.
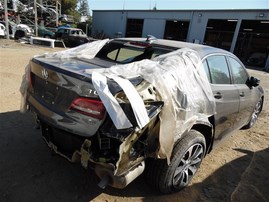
(109, 22)
(154, 27)
(112, 22)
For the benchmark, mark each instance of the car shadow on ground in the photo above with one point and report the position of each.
(243, 179)
(28, 172)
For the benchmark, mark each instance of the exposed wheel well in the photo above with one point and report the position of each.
(207, 132)
(19, 34)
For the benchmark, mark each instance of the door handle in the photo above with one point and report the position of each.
(218, 95)
(242, 94)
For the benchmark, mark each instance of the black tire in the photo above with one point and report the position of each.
(47, 36)
(254, 117)
(186, 158)
(19, 34)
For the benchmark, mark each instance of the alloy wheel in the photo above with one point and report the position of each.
(188, 165)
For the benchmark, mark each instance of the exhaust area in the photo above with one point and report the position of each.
(107, 176)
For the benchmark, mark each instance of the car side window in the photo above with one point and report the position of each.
(61, 31)
(239, 73)
(219, 70)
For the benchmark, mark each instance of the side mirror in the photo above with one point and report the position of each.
(253, 82)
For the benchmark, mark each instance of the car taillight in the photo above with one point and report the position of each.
(31, 78)
(93, 108)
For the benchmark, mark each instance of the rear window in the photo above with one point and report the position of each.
(124, 53)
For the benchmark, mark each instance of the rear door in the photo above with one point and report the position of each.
(248, 96)
(225, 93)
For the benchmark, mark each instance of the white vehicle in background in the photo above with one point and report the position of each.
(18, 31)
(2, 30)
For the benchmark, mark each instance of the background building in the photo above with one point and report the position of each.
(243, 32)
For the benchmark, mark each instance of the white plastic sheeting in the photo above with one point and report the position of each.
(87, 51)
(179, 77)
(183, 85)
(135, 100)
(111, 104)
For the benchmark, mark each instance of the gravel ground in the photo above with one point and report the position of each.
(237, 170)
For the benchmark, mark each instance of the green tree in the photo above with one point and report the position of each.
(68, 6)
(83, 8)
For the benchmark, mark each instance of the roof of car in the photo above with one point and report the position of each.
(202, 50)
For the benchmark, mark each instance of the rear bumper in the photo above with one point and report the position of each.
(80, 149)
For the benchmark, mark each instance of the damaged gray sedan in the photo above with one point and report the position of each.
(125, 106)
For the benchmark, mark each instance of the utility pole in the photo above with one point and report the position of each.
(57, 13)
(6, 19)
(36, 25)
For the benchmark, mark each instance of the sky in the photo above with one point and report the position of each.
(177, 4)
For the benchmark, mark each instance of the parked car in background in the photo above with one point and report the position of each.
(138, 100)
(44, 32)
(71, 36)
(19, 31)
(2, 30)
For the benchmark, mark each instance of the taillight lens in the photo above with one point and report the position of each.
(31, 79)
(93, 108)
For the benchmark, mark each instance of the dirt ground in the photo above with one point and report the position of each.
(235, 171)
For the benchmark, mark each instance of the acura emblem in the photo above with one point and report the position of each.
(45, 74)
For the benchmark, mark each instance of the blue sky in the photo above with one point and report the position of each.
(177, 4)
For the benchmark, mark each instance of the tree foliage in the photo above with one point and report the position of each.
(76, 8)
(68, 6)
(83, 8)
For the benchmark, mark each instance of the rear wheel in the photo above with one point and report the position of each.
(47, 36)
(186, 158)
(255, 114)
(19, 34)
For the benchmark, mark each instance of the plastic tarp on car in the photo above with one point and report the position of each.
(87, 51)
(178, 76)
(182, 82)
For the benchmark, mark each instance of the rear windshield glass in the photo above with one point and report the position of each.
(124, 53)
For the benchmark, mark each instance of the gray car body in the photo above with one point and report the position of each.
(50, 99)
